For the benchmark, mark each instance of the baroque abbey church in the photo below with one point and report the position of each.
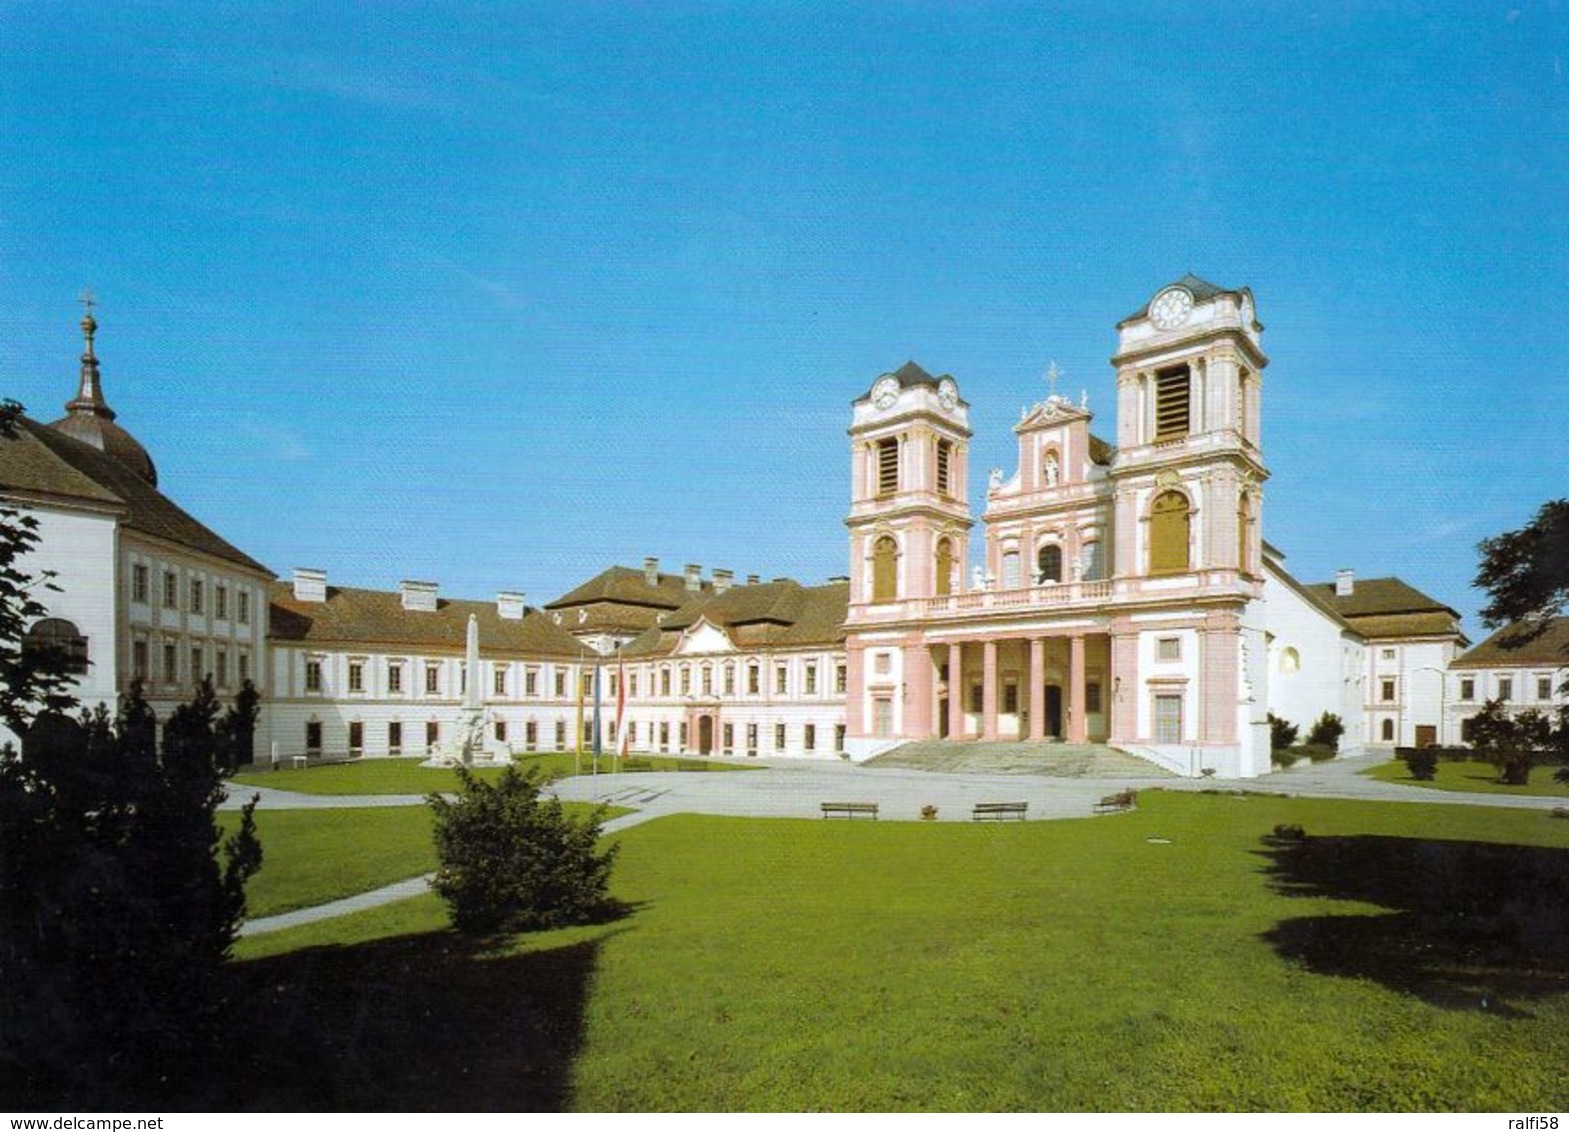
(1117, 591)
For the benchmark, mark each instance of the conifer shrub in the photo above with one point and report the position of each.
(512, 860)
(1326, 732)
(1282, 734)
(1422, 762)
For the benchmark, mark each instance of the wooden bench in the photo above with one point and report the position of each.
(1112, 803)
(850, 810)
(997, 811)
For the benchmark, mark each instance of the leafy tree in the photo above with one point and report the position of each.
(1326, 731)
(1516, 743)
(514, 861)
(116, 913)
(238, 727)
(1281, 733)
(1526, 572)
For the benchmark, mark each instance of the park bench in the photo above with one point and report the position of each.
(997, 811)
(850, 810)
(1111, 803)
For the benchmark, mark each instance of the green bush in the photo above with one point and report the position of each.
(1318, 752)
(1422, 762)
(1283, 758)
(1326, 732)
(513, 861)
(1281, 733)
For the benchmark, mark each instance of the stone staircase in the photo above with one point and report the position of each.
(1050, 759)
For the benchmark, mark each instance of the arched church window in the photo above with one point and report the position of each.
(1048, 564)
(1290, 661)
(885, 569)
(58, 638)
(1169, 520)
(1010, 570)
(944, 584)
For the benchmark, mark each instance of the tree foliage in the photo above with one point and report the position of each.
(1326, 731)
(512, 860)
(1281, 733)
(1526, 572)
(1516, 743)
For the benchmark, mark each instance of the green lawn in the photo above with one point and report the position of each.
(407, 776)
(1174, 958)
(314, 856)
(1472, 777)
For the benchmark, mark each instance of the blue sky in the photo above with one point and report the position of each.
(497, 295)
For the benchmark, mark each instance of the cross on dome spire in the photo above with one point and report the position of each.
(89, 399)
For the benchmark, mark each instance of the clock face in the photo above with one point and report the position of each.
(1171, 308)
(885, 392)
(947, 394)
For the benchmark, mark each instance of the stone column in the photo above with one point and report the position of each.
(920, 681)
(955, 692)
(989, 691)
(1037, 679)
(1077, 730)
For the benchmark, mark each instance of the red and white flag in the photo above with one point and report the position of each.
(621, 707)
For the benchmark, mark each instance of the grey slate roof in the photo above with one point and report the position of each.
(42, 461)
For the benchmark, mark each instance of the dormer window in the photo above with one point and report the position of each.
(1172, 403)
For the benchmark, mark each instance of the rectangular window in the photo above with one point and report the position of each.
(356, 676)
(631, 733)
(1468, 688)
(530, 735)
(781, 680)
(882, 663)
(977, 698)
(356, 738)
(728, 740)
(882, 717)
(313, 738)
(432, 734)
(708, 680)
(313, 675)
(395, 738)
(432, 679)
(1092, 697)
(1168, 648)
(561, 735)
(171, 589)
(1506, 688)
(944, 461)
(1168, 719)
(751, 679)
(841, 679)
(1386, 691)
(220, 668)
(244, 614)
(682, 737)
(664, 681)
(631, 685)
(686, 681)
(500, 680)
(196, 595)
(586, 683)
(171, 664)
(751, 739)
(664, 736)
(1010, 699)
(1544, 688)
(198, 669)
(615, 683)
(139, 660)
(810, 739)
(395, 677)
(139, 582)
(729, 679)
(779, 736)
(531, 681)
(220, 603)
(501, 731)
(1387, 654)
(561, 683)
(811, 679)
(1171, 403)
(245, 667)
(839, 738)
(887, 465)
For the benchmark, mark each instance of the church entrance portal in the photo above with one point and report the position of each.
(1054, 711)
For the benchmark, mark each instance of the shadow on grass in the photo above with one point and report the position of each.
(415, 1023)
(1471, 926)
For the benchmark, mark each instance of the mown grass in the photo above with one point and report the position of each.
(1472, 777)
(311, 857)
(407, 776)
(1174, 958)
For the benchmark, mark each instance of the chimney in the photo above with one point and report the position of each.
(310, 585)
(752, 579)
(1345, 583)
(419, 596)
(722, 580)
(694, 578)
(650, 571)
(509, 606)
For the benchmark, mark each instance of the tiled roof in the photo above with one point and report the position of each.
(1388, 607)
(626, 586)
(1517, 645)
(40, 460)
(377, 617)
(779, 614)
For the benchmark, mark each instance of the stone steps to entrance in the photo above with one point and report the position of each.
(1051, 759)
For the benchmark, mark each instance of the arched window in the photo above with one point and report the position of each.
(944, 567)
(1169, 517)
(1244, 517)
(1290, 661)
(58, 638)
(1387, 732)
(885, 569)
(1048, 564)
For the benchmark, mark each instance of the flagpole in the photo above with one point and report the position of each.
(596, 712)
(621, 710)
(577, 759)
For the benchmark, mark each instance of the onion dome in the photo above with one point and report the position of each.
(90, 419)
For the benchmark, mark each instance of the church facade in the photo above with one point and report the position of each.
(1114, 591)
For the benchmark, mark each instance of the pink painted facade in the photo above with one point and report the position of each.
(1109, 596)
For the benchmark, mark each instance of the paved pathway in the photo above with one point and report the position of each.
(784, 788)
